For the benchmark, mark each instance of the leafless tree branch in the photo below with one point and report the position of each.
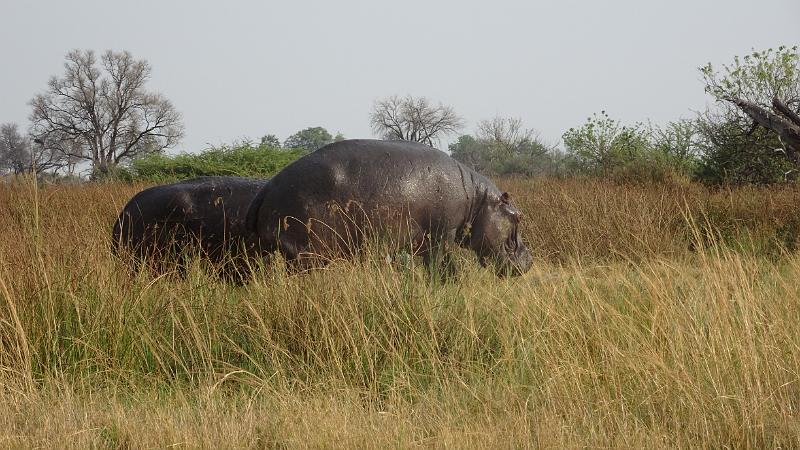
(103, 114)
(413, 119)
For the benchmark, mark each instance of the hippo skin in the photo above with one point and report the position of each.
(205, 214)
(327, 204)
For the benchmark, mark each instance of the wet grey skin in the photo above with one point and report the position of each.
(328, 203)
(205, 214)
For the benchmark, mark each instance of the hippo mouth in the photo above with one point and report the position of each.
(520, 263)
(512, 242)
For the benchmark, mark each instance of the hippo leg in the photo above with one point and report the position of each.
(239, 263)
(437, 256)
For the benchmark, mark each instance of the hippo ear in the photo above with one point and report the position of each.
(505, 198)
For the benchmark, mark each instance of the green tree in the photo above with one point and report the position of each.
(757, 78)
(753, 134)
(603, 145)
(677, 145)
(310, 139)
(270, 141)
(471, 152)
(504, 146)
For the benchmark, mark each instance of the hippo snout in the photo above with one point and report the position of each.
(523, 260)
(515, 264)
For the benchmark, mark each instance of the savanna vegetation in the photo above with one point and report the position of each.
(655, 316)
(662, 311)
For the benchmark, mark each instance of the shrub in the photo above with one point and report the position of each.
(243, 160)
(605, 148)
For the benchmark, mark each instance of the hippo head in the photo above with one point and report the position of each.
(494, 236)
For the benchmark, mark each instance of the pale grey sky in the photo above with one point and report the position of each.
(239, 69)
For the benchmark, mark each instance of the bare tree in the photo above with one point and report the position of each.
(506, 137)
(18, 155)
(14, 149)
(413, 119)
(505, 134)
(103, 114)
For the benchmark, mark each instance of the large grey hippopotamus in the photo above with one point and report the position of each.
(325, 204)
(205, 214)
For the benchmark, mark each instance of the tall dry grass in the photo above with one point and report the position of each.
(656, 316)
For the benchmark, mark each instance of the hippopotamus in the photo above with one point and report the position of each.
(205, 214)
(326, 204)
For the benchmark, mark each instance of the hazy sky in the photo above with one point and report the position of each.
(238, 69)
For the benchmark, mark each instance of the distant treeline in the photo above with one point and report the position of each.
(750, 135)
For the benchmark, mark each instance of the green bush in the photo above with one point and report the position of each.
(503, 155)
(243, 160)
(606, 148)
(734, 155)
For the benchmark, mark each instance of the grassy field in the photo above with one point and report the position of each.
(654, 317)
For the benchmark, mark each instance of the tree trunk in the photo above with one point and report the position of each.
(783, 121)
(101, 169)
